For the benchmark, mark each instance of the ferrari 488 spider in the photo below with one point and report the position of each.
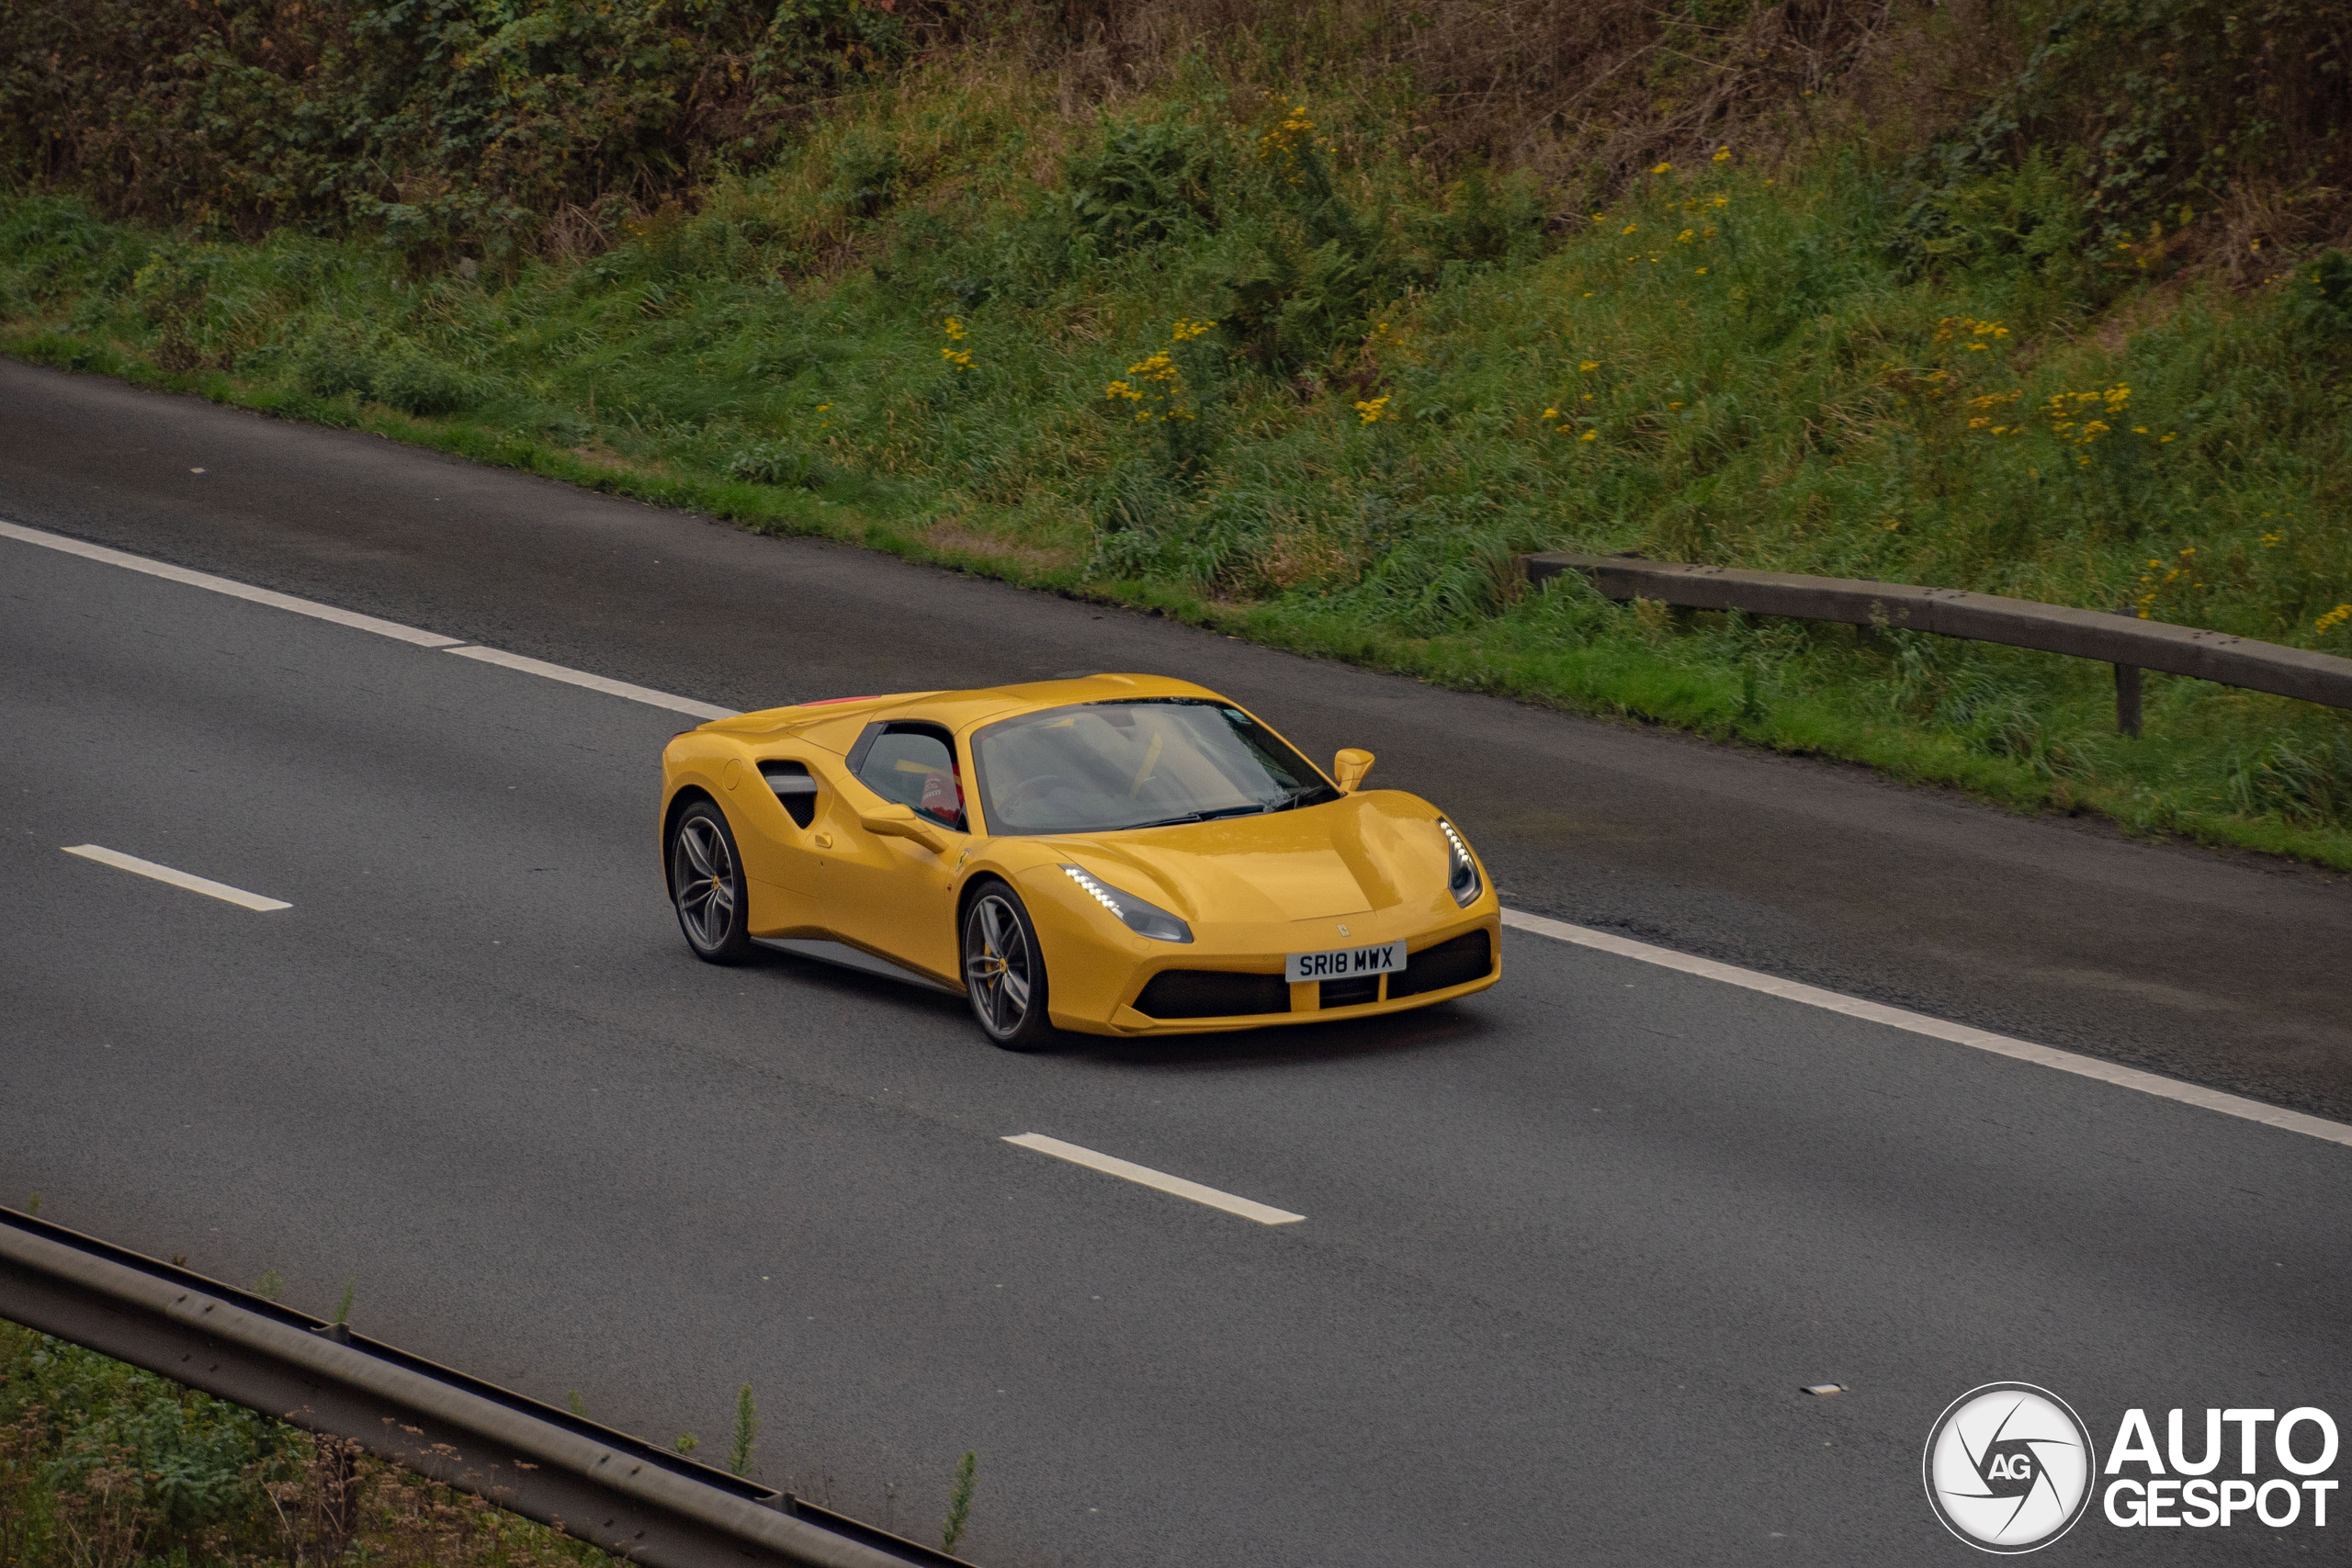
(1115, 854)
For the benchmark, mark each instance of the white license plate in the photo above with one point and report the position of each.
(1345, 963)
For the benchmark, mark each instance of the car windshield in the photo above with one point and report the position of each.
(1098, 767)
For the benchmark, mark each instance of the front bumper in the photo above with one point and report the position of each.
(1144, 1008)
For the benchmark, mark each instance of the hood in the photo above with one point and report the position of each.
(1360, 853)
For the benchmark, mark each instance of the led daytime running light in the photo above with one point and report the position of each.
(1138, 914)
(1463, 879)
(1102, 894)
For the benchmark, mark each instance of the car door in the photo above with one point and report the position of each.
(775, 805)
(896, 895)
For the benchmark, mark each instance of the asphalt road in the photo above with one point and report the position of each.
(1570, 1248)
(2226, 970)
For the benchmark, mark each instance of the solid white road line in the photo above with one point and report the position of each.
(1937, 1029)
(1125, 1170)
(1729, 974)
(236, 589)
(204, 886)
(594, 682)
(225, 585)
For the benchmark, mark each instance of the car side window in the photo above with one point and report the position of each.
(916, 768)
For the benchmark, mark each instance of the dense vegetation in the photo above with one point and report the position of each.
(104, 1466)
(1303, 318)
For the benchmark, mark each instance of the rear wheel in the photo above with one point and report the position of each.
(1003, 973)
(706, 885)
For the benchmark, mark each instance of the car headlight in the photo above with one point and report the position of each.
(1462, 878)
(1140, 916)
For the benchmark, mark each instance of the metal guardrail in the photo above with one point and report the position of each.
(620, 1494)
(2126, 642)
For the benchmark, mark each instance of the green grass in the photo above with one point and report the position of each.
(1409, 381)
(104, 1466)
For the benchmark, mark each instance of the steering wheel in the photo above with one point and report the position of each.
(1029, 790)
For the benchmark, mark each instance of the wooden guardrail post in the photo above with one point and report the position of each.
(2127, 700)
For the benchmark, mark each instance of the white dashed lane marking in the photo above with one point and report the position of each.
(194, 883)
(1128, 1170)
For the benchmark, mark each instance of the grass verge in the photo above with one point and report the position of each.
(104, 1466)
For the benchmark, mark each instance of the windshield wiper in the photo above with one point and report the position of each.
(1252, 809)
(1162, 822)
(1282, 802)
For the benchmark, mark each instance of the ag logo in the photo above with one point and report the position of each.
(2009, 1467)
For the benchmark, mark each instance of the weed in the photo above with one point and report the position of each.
(746, 1440)
(959, 1504)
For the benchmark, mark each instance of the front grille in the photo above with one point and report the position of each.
(1350, 993)
(1211, 993)
(1468, 957)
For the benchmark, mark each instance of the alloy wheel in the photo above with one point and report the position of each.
(999, 967)
(701, 871)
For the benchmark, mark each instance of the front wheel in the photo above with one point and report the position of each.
(1004, 974)
(706, 885)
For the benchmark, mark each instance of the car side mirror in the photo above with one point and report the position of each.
(899, 821)
(1348, 767)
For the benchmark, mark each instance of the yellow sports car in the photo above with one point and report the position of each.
(1116, 854)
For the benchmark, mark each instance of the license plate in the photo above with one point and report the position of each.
(1345, 963)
